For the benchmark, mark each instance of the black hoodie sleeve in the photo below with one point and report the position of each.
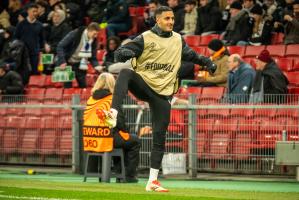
(121, 122)
(130, 50)
(190, 55)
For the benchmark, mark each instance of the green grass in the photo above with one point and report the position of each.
(32, 187)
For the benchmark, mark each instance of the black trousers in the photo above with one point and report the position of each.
(159, 106)
(80, 76)
(131, 149)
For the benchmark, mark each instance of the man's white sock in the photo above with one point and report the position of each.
(153, 174)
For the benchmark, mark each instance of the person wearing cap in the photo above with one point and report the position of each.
(219, 55)
(292, 26)
(240, 80)
(270, 84)
(240, 25)
(10, 83)
(190, 18)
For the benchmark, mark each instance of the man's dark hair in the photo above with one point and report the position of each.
(93, 26)
(190, 2)
(32, 5)
(154, 1)
(42, 4)
(296, 2)
(162, 9)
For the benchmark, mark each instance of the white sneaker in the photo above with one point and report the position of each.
(155, 186)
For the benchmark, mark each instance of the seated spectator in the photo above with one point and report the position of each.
(240, 25)
(270, 84)
(278, 15)
(219, 55)
(18, 58)
(57, 31)
(4, 18)
(240, 80)
(102, 98)
(149, 15)
(178, 11)
(248, 4)
(117, 17)
(14, 9)
(209, 18)
(10, 83)
(112, 44)
(292, 26)
(76, 49)
(270, 6)
(262, 28)
(7, 37)
(190, 18)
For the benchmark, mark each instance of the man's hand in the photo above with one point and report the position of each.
(63, 66)
(47, 48)
(288, 18)
(209, 65)
(99, 68)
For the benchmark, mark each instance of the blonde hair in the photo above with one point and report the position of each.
(104, 81)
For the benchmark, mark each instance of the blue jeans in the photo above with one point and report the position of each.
(114, 29)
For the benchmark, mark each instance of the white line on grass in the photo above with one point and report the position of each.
(31, 198)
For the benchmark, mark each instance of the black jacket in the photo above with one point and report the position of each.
(68, 45)
(121, 121)
(56, 34)
(265, 37)
(118, 12)
(209, 19)
(241, 31)
(179, 14)
(11, 83)
(135, 49)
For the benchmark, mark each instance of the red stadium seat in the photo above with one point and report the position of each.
(192, 40)
(287, 113)
(241, 147)
(292, 50)
(194, 90)
(277, 38)
(85, 94)
(50, 132)
(218, 113)
(253, 51)
(35, 95)
(178, 122)
(285, 64)
(276, 50)
(219, 146)
(296, 64)
(236, 50)
(264, 113)
(241, 112)
(102, 38)
(132, 11)
(53, 95)
(200, 50)
(205, 40)
(293, 78)
(133, 30)
(37, 81)
(251, 61)
(29, 142)
(91, 79)
(213, 94)
(68, 93)
(100, 55)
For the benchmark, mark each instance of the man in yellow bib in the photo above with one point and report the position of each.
(157, 56)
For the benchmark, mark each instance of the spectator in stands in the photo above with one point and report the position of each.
(280, 12)
(19, 60)
(117, 17)
(270, 6)
(178, 10)
(7, 37)
(226, 14)
(219, 55)
(95, 10)
(42, 9)
(10, 83)
(76, 48)
(190, 18)
(248, 4)
(22, 16)
(149, 15)
(4, 18)
(262, 28)
(112, 44)
(57, 31)
(270, 84)
(292, 26)
(240, 80)
(102, 97)
(14, 9)
(209, 18)
(240, 25)
(30, 31)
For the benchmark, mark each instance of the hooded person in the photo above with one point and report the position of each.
(270, 84)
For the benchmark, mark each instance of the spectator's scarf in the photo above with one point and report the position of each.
(85, 51)
(233, 20)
